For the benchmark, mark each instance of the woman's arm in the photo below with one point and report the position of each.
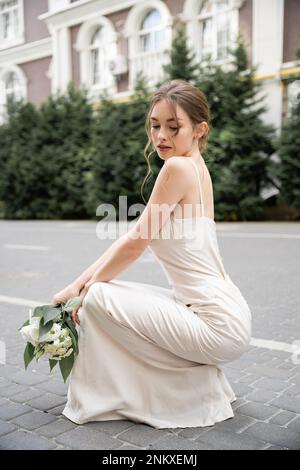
(114, 260)
(170, 186)
(119, 248)
(120, 253)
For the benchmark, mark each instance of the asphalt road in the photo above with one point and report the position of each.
(38, 258)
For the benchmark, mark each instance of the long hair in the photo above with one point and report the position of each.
(191, 100)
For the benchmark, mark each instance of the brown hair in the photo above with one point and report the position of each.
(191, 100)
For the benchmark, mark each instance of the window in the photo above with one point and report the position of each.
(215, 29)
(12, 85)
(223, 29)
(10, 21)
(206, 28)
(96, 44)
(152, 34)
(98, 59)
(148, 29)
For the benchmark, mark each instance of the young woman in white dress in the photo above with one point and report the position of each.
(146, 353)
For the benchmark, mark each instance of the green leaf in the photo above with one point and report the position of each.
(38, 352)
(28, 354)
(70, 324)
(52, 363)
(50, 312)
(74, 341)
(24, 324)
(47, 312)
(66, 365)
(72, 304)
(73, 333)
(38, 311)
(43, 329)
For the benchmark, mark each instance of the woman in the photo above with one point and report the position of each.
(147, 353)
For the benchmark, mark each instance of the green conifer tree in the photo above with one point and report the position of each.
(240, 143)
(288, 170)
(47, 157)
(182, 60)
(118, 163)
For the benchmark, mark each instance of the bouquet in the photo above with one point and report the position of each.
(51, 333)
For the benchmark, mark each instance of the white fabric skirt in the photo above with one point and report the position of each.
(145, 357)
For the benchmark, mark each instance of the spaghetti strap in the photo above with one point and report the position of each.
(200, 188)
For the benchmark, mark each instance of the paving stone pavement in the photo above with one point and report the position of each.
(266, 412)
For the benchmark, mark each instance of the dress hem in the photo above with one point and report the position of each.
(137, 419)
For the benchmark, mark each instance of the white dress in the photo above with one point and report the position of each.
(154, 355)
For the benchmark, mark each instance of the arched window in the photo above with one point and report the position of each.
(11, 22)
(96, 44)
(152, 32)
(212, 27)
(148, 29)
(222, 28)
(215, 33)
(205, 20)
(98, 57)
(12, 85)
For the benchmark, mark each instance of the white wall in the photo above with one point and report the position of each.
(54, 5)
(268, 18)
(272, 91)
(268, 35)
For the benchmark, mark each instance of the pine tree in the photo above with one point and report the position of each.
(181, 65)
(47, 157)
(18, 169)
(240, 143)
(65, 135)
(118, 163)
(141, 87)
(288, 169)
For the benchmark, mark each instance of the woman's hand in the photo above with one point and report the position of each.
(83, 292)
(65, 294)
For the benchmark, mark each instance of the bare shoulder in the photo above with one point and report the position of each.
(175, 174)
(180, 167)
(176, 160)
(176, 164)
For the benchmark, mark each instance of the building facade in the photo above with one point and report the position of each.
(103, 44)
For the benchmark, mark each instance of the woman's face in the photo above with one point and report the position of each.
(163, 132)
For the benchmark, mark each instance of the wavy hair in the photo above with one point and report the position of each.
(191, 100)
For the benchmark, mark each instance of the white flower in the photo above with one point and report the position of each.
(56, 351)
(50, 348)
(52, 335)
(30, 333)
(61, 351)
(65, 332)
(67, 343)
(68, 353)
